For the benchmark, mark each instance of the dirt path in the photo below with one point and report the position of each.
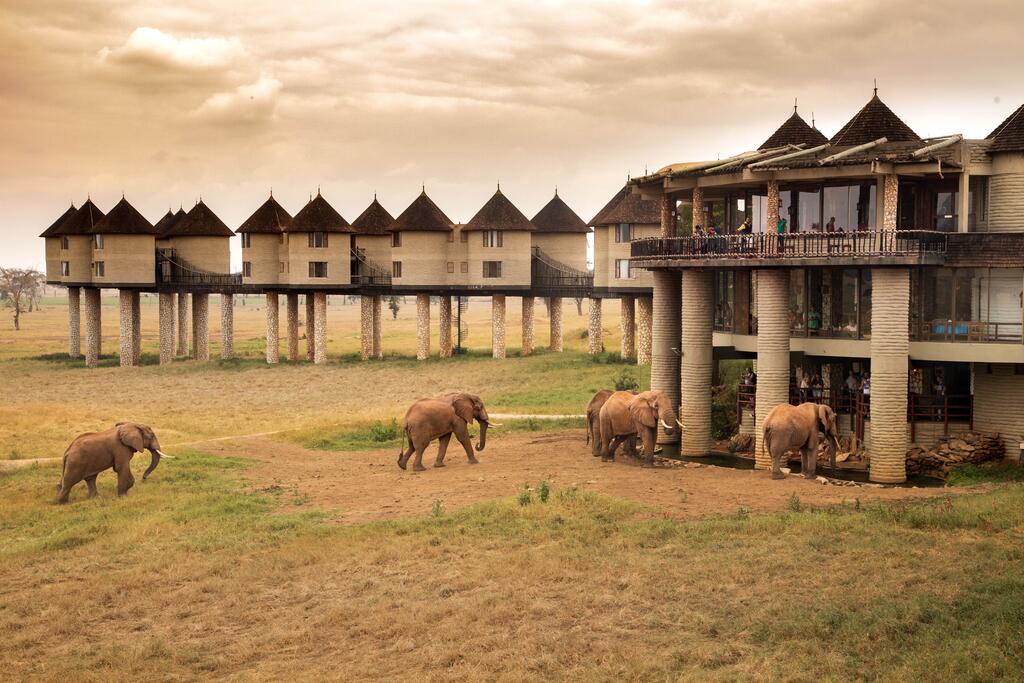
(367, 485)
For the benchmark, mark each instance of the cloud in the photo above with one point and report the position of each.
(152, 54)
(251, 103)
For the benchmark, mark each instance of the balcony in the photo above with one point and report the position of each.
(368, 274)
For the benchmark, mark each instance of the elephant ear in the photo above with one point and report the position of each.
(642, 413)
(131, 436)
(463, 406)
(824, 418)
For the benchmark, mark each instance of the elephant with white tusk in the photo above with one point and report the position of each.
(627, 415)
(92, 452)
(787, 427)
(438, 418)
(594, 423)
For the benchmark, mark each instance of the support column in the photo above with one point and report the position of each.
(444, 314)
(365, 326)
(668, 216)
(93, 327)
(890, 190)
(422, 326)
(292, 324)
(227, 326)
(594, 343)
(665, 343)
(643, 330)
(697, 215)
(201, 327)
(528, 303)
(627, 328)
(498, 326)
(697, 362)
(136, 328)
(273, 312)
(319, 327)
(555, 306)
(772, 352)
(378, 349)
(127, 329)
(166, 327)
(74, 322)
(309, 327)
(183, 324)
(890, 347)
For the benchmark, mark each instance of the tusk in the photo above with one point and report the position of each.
(164, 455)
(667, 425)
(494, 424)
(679, 423)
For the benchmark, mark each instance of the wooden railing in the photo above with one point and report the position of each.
(966, 331)
(558, 278)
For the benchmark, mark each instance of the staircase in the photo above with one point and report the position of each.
(367, 273)
(171, 269)
(554, 278)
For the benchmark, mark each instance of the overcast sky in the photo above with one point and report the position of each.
(169, 100)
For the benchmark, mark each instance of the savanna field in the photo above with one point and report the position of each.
(283, 542)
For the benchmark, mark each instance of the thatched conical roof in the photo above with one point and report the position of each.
(82, 222)
(1009, 135)
(375, 220)
(556, 216)
(55, 226)
(632, 209)
(318, 216)
(875, 120)
(600, 219)
(270, 219)
(498, 214)
(123, 219)
(423, 215)
(200, 221)
(795, 131)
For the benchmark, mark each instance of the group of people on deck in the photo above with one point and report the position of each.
(710, 242)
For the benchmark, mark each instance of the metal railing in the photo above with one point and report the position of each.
(368, 273)
(171, 269)
(966, 331)
(861, 243)
(548, 274)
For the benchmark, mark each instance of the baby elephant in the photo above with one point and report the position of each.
(438, 418)
(92, 452)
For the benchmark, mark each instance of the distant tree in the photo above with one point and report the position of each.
(393, 305)
(579, 305)
(17, 287)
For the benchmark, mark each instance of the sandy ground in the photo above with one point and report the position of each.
(367, 485)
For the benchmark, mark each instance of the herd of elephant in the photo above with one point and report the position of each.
(614, 419)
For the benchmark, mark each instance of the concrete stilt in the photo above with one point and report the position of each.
(627, 328)
(227, 326)
(697, 361)
(422, 326)
(890, 346)
(292, 324)
(319, 327)
(93, 327)
(74, 322)
(498, 326)
(528, 303)
(643, 330)
(183, 323)
(166, 327)
(772, 352)
(665, 343)
(365, 327)
(310, 351)
(273, 342)
(444, 315)
(201, 327)
(594, 342)
(136, 328)
(127, 329)
(378, 349)
(555, 306)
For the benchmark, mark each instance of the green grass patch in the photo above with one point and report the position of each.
(967, 475)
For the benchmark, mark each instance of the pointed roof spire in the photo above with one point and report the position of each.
(423, 215)
(499, 214)
(271, 218)
(556, 216)
(374, 220)
(82, 222)
(873, 121)
(123, 219)
(201, 221)
(794, 131)
(166, 223)
(318, 216)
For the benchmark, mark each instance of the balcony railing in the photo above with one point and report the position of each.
(859, 244)
(171, 269)
(558, 278)
(966, 331)
(368, 273)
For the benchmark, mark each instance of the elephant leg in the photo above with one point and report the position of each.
(631, 445)
(462, 434)
(777, 464)
(613, 444)
(65, 490)
(442, 446)
(91, 483)
(809, 456)
(123, 481)
(649, 437)
(595, 438)
(417, 464)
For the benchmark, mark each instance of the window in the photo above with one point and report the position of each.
(623, 269)
(281, 267)
(492, 268)
(97, 241)
(396, 239)
(493, 238)
(65, 268)
(946, 211)
(246, 268)
(281, 238)
(246, 240)
(318, 240)
(318, 268)
(396, 268)
(464, 267)
(64, 242)
(451, 266)
(100, 268)
(623, 232)
(463, 236)
(451, 236)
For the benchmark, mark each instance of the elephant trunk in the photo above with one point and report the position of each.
(155, 454)
(482, 441)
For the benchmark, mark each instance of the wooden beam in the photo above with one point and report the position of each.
(786, 157)
(752, 157)
(938, 145)
(853, 150)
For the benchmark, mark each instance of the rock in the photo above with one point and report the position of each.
(785, 470)
(821, 480)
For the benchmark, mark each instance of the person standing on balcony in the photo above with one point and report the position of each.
(940, 396)
(805, 387)
(780, 230)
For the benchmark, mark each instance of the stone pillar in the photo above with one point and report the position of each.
(668, 216)
(665, 343)
(319, 327)
(227, 326)
(697, 215)
(555, 306)
(772, 352)
(365, 326)
(166, 327)
(890, 191)
(74, 322)
(889, 351)
(273, 350)
(183, 324)
(292, 324)
(422, 326)
(772, 214)
(201, 326)
(444, 315)
(127, 329)
(309, 327)
(136, 328)
(93, 327)
(528, 303)
(498, 326)
(378, 348)
(627, 327)
(643, 330)
(697, 362)
(594, 343)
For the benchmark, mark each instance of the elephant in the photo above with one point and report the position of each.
(593, 421)
(627, 415)
(92, 452)
(787, 427)
(438, 418)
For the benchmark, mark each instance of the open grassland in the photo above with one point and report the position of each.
(45, 398)
(197, 574)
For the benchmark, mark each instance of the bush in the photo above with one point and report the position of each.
(724, 421)
(381, 432)
(544, 491)
(525, 497)
(626, 381)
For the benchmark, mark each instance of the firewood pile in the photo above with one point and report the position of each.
(742, 443)
(968, 447)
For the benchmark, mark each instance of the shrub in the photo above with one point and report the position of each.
(437, 509)
(626, 381)
(381, 432)
(724, 421)
(794, 503)
(544, 491)
(525, 496)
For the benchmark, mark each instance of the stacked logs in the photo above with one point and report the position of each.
(968, 447)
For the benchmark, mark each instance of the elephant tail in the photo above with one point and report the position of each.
(63, 469)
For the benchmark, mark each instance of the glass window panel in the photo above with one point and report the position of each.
(865, 303)
(797, 300)
(809, 211)
(850, 314)
(785, 209)
(814, 301)
(865, 197)
(758, 212)
(945, 211)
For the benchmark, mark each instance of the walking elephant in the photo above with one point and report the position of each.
(627, 415)
(593, 420)
(92, 452)
(787, 427)
(438, 418)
